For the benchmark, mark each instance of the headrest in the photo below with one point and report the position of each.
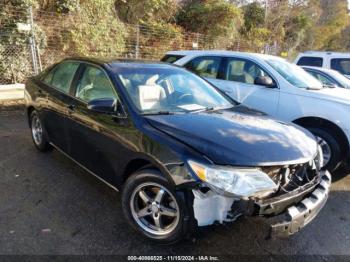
(150, 96)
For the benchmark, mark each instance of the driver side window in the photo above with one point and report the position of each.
(94, 84)
(243, 71)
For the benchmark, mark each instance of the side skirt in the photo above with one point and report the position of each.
(86, 169)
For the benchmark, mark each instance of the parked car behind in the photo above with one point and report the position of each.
(331, 60)
(280, 89)
(182, 152)
(329, 77)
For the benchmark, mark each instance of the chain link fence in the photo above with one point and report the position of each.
(31, 40)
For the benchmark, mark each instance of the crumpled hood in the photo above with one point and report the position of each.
(337, 94)
(239, 136)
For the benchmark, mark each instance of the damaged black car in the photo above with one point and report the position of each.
(182, 152)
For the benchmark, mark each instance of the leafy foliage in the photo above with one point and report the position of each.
(217, 19)
(95, 33)
(109, 28)
(142, 11)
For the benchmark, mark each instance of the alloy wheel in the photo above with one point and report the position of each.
(37, 130)
(326, 150)
(154, 208)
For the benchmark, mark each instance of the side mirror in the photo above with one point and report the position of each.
(264, 81)
(103, 105)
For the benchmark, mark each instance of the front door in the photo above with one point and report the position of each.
(93, 136)
(238, 81)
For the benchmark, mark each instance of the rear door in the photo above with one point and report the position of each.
(210, 68)
(57, 83)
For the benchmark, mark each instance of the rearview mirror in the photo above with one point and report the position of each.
(264, 81)
(103, 105)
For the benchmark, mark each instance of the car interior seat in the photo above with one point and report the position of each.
(151, 94)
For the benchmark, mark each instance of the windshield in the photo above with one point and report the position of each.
(294, 74)
(160, 90)
(343, 81)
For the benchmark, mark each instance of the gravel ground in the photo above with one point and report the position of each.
(50, 206)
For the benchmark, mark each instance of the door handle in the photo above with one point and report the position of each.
(71, 108)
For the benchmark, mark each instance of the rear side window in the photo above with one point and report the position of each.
(61, 76)
(243, 71)
(342, 65)
(171, 58)
(310, 61)
(207, 66)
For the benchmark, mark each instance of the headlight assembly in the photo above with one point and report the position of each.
(238, 181)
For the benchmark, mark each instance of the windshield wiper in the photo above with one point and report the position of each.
(159, 113)
(209, 108)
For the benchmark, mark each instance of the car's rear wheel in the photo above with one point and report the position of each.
(38, 133)
(330, 146)
(153, 208)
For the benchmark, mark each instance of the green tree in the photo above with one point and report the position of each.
(94, 30)
(219, 20)
(254, 17)
(329, 20)
(142, 11)
(254, 33)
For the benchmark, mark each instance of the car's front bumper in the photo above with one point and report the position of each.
(283, 215)
(301, 214)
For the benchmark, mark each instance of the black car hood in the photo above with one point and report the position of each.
(239, 136)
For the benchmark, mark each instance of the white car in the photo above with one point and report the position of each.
(328, 77)
(331, 60)
(281, 89)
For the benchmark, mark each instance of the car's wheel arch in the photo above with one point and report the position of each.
(30, 109)
(320, 122)
(143, 162)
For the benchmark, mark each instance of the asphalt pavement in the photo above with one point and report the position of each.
(50, 206)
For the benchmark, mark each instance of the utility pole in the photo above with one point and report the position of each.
(35, 49)
(32, 41)
(266, 9)
(137, 46)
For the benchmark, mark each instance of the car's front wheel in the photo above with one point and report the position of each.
(153, 208)
(330, 146)
(38, 133)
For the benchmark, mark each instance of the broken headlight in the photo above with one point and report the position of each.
(238, 181)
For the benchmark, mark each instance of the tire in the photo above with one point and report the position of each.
(334, 145)
(151, 182)
(38, 133)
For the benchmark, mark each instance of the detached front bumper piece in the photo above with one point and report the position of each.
(302, 213)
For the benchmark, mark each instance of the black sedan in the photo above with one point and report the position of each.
(183, 153)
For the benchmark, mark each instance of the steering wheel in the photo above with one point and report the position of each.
(184, 96)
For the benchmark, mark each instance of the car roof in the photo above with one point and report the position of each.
(220, 52)
(118, 61)
(329, 53)
(321, 69)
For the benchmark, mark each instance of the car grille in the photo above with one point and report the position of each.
(293, 177)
